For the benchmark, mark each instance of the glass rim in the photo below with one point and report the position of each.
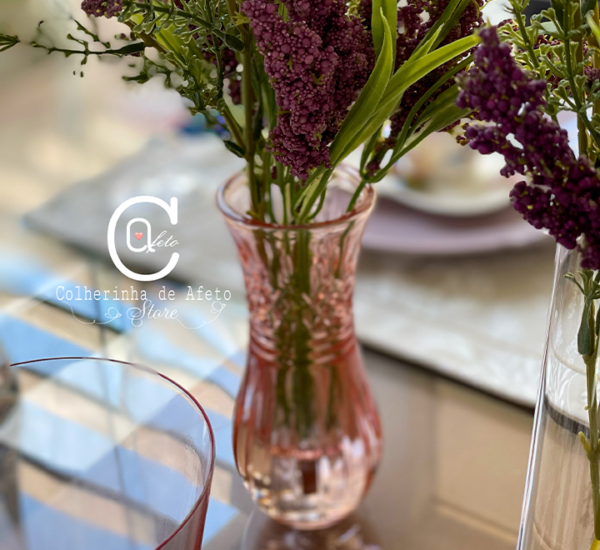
(206, 488)
(362, 205)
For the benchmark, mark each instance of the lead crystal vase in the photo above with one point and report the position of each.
(562, 484)
(307, 436)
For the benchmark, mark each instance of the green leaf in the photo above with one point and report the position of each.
(7, 42)
(411, 124)
(444, 117)
(558, 6)
(234, 148)
(572, 278)
(368, 149)
(369, 97)
(587, 6)
(586, 276)
(384, 10)
(443, 25)
(417, 67)
(594, 27)
(455, 18)
(233, 42)
(447, 97)
(549, 27)
(586, 447)
(429, 40)
(135, 47)
(412, 71)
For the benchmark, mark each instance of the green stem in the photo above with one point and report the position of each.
(220, 68)
(582, 136)
(248, 101)
(309, 186)
(233, 126)
(596, 60)
(356, 194)
(316, 210)
(232, 8)
(318, 186)
(588, 344)
(303, 381)
(125, 50)
(590, 362)
(293, 337)
(367, 153)
(582, 121)
(528, 45)
(286, 197)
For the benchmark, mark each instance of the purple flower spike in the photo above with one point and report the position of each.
(317, 59)
(102, 8)
(563, 194)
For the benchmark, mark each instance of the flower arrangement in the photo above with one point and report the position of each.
(294, 87)
(523, 77)
(297, 85)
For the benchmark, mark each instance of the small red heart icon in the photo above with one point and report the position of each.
(138, 236)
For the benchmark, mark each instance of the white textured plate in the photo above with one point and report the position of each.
(441, 177)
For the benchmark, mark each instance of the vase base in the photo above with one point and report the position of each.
(305, 513)
(352, 533)
(305, 521)
(309, 490)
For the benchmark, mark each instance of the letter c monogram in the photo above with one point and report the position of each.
(112, 248)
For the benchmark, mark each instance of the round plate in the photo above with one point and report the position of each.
(396, 228)
(441, 177)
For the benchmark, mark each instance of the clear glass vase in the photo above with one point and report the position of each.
(562, 484)
(307, 436)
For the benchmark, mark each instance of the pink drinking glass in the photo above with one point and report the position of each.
(97, 454)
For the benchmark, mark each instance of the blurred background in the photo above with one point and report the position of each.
(450, 305)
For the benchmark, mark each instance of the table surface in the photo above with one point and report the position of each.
(455, 459)
(452, 474)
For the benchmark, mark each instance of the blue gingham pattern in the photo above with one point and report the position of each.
(110, 473)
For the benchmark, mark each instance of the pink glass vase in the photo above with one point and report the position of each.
(307, 436)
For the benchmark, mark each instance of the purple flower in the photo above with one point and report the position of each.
(99, 8)
(318, 58)
(563, 194)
